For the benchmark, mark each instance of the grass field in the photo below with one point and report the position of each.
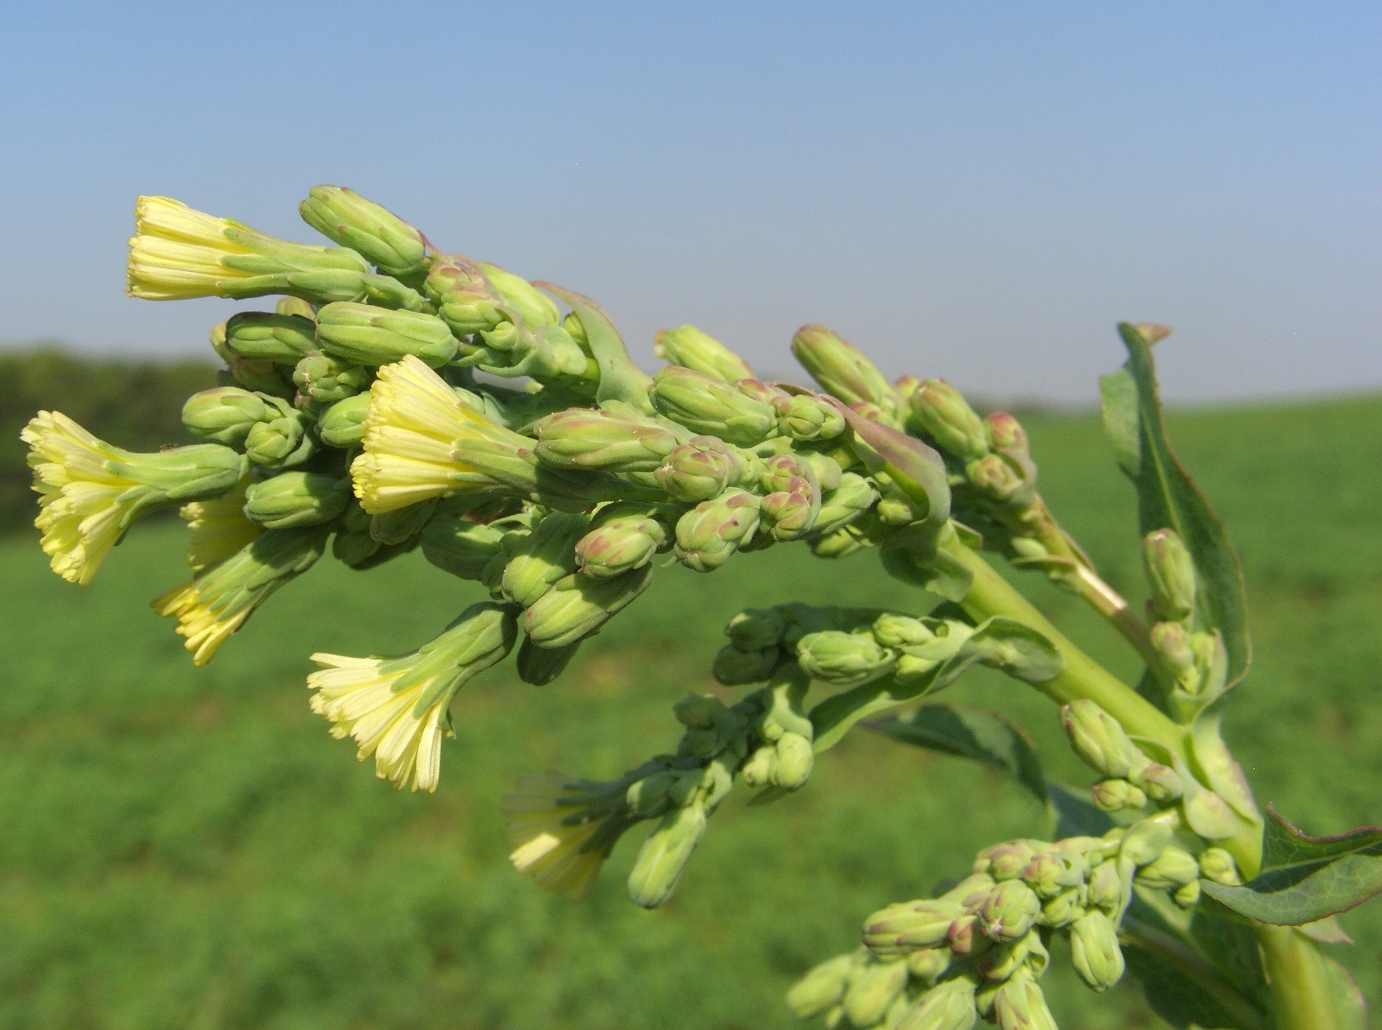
(184, 848)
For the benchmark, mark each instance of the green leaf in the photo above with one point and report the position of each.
(1305, 879)
(1181, 1000)
(980, 734)
(918, 470)
(1168, 498)
(1349, 1006)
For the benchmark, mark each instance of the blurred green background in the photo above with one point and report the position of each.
(188, 848)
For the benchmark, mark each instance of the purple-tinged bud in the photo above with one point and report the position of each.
(625, 537)
(689, 347)
(1171, 575)
(1011, 909)
(1117, 796)
(581, 438)
(706, 405)
(843, 371)
(714, 530)
(938, 410)
(872, 990)
(806, 419)
(909, 925)
(698, 470)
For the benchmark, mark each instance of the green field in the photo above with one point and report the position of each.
(188, 848)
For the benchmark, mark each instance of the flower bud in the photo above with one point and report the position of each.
(624, 538)
(1144, 842)
(322, 379)
(872, 990)
(901, 631)
(1009, 911)
(795, 759)
(262, 377)
(343, 424)
(1172, 642)
(532, 305)
(1171, 575)
(939, 411)
(259, 336)
(1160, 782)
(1187, 895)
(714, 530)
(281, 441)
(1106, 890)
(839, 507)
(225, 414)
(1063, 909)
(1094, 950)
(946, 1006)
(664, 856)
(842, 369)
(381, 237)
(581, 438)
(699, 711)
(465, 298)
(1005, 861)
(791, 514)
(1000, 480)
(1020, 1005)
(705, 405)
(541, 665)
(843, 659)
(758, 770)
(1005, 960)
(806, 418)
(1098, 739)
(904, 927)
(929, 964)
(689, 347)
(1117, 796)
(1006, 435)
(542, 557)
(734, 668)
(1173, 868)
(756, 628)
(1218, 866)
(826, 469)
(822, 987)
(291, 500)
(1051, 873)
(460, 546)
(698, 470)
(966, 936)
(401, 524)
(578, 605)
(368, 335)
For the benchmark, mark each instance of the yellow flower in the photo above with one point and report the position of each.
(422, 442)
(216, 603)
(218, 528)
(551, 835)
(176, 252)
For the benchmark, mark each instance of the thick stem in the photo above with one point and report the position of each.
(1301, 996)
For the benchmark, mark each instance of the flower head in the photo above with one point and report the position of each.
(217, 528)
(558, 835)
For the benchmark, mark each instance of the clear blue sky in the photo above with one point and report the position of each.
(977, 191)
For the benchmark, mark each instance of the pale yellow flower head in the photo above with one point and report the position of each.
(422, 442)
(552, 836)
(176, 252)
(218, 528)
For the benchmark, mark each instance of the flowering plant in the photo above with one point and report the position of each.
(367, 415)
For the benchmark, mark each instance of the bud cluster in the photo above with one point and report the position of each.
(1195, 662)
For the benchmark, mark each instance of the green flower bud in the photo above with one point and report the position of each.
(624, 538)
(842, 370)
(322, 379)
(262, 377)
(664, 856)
(1051, 873)
(1188, 895)
(706, 405)
(460, 546)
(401, 524)
(839, 507)
(297, 307)
(806, 418)
(581, 438)
(532, 305)
(699, 470)
(699, 711)
(904, 927)
(1144, 842)
(843, 659)
(1218, 866)
(259, 336)
(929, 964)
(901, 631)
(1117, 796)
(368, 335)
(939, 411)
(795, 759)
(826, 469)
(1160, 782)
(735, 668)
(541, 665)
(1171, 575)
(822, 987)
(281, 441)
(999, 479)
(1063, 909)
(1005, 960)
(947, 1006)
(758, 770)
(343, 424)
(1173, 868)
(381, 237)
(689, 347)
(1006, 435)
(577, 606)
(712, 531)
(292, 500)
(1009, 911)
(966, 936)
(1106, 889)
(757, 628)
(1094, 950)
(1171, 640)
(1020, 1005)
(1098, 739)
(542, 557)
(872, 990)
(841, 543)
(225, 414)
(465, 298)
(1005, 861)
(791, 514)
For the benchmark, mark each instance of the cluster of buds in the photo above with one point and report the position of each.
(562, 830)
(979, 948)
(1195, 662)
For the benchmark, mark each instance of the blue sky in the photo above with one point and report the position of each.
(973, 191)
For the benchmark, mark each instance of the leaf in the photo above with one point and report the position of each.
(918, 470)
(1304, 879)
(980, 734)
(1349, 1006)
(620, 378)
(1180, 1000)
(1000, 642)
(1168, 498)
(1326, 931)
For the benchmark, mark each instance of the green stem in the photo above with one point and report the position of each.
(1301, 996)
